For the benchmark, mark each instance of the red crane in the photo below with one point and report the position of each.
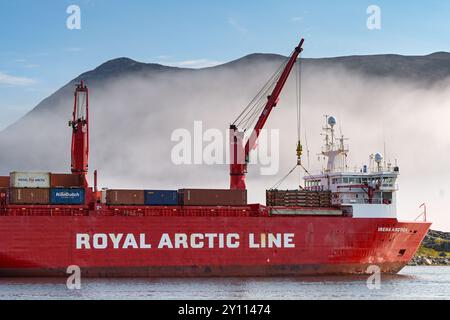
(239, 153)
(80, 132)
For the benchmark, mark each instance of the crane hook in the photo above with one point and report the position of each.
(299, 153)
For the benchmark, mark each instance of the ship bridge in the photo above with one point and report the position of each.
(368, 191)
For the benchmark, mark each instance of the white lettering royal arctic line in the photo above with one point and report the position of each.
(118, 241)
(103, 241)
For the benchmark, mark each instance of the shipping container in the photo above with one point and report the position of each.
(103, 196)
(161, 197)
(66, 180)
(67, 196)
(125, 197)
(4, 182)
(212, 197)
(29, 196)
(3, 196)
(30, 180)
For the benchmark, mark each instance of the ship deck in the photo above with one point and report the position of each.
(251, 210)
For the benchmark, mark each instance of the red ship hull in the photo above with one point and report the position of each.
(200, 241)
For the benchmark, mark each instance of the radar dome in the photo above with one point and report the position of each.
(378, 157)
(331, 121)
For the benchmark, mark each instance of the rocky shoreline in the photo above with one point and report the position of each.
(434, 250)
(429, 261)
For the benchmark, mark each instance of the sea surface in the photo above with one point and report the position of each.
(431, 282)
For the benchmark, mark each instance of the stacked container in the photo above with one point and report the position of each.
(29, 188)
(67, 189)
(67, 196)
(66, 180)
(4, 182)
(29, 196)
(4, 186)
(212, 197)
(161, 197)
(30, 180)
(125, 197)
(46, 188)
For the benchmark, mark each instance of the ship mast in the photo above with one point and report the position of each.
(80, 132)
(332, 149)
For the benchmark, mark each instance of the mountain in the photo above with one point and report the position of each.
(138, 109)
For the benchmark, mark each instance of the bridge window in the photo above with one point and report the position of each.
(336, 181)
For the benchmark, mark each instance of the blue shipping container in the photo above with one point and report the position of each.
(67, 196)
(161, 197)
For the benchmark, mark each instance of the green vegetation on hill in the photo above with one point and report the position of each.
(434, 250)
(430, 253)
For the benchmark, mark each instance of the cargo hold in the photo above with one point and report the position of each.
(298, 198)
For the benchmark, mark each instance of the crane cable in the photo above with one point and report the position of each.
(298, 90)
(250, 113)
(276, 185)
(299, 146)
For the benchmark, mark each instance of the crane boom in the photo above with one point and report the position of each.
(80, 132)
(240, 154)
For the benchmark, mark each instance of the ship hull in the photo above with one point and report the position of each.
(209, 271)
(204, 246)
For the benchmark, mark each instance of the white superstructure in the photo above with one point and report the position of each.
(370, 191)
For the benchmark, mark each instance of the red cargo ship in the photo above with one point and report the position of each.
(341, 222)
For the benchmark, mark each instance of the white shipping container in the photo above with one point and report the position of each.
(103, 198)
(30, 179)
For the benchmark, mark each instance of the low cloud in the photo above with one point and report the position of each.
(9, 80)
(193, 64)
(199, 63)
(135, 115)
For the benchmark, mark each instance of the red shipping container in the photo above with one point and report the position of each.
(4, 182)
(3, 196)
(213, 197)
(125, 197)
(66, 180)
(29, 196)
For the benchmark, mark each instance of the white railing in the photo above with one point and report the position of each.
(365, 201)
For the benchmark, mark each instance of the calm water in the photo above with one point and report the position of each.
(411, 283)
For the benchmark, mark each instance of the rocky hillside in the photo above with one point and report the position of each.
(435, 249)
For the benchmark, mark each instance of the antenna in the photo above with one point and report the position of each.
(378, 159)
(307, 150)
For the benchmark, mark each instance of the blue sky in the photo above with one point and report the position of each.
(39, 54)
